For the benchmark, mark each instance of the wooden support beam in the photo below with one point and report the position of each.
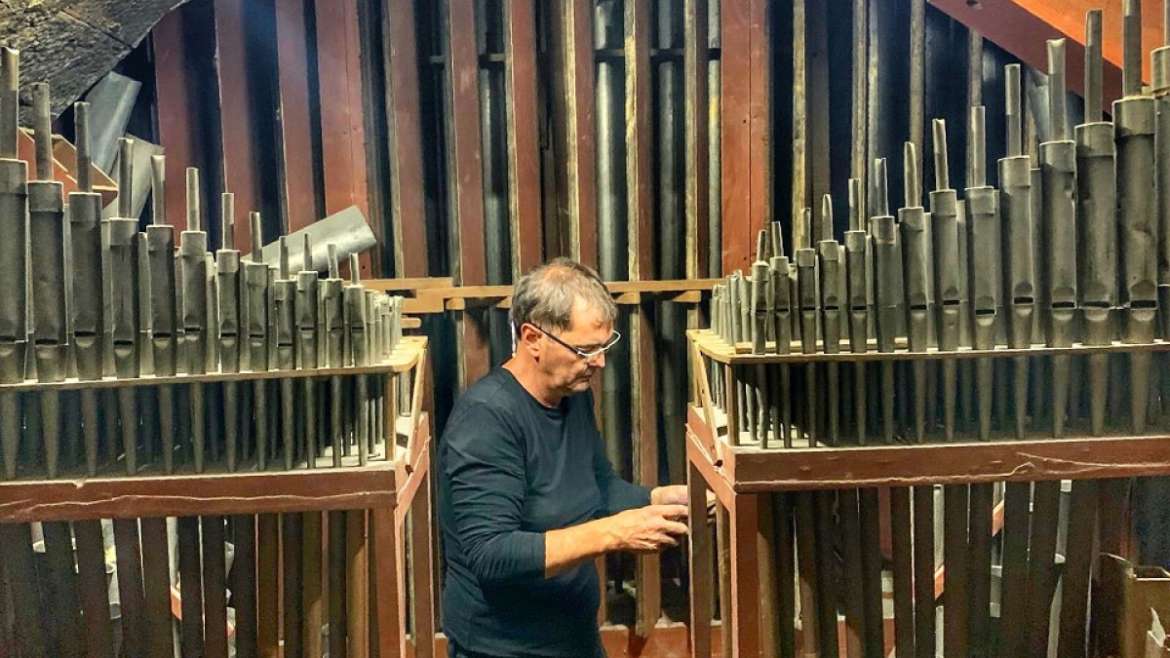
(173, 84)
(640, 218)
(1021, 27)
(523, 135)
(735, 133)
(760, 120)
(697, 126)
(577, 56)
(407, 201)
(466, 173)
(237, 130)
(298, 193)
(339, 76)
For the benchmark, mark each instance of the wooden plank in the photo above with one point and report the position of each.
(854, 575)
(956, 500)
(268, 585)
(190, 586)
(336, 586)
(1074, 604)
(311, 591)
(924, 566)
(243, 579)
(903, 569)
(699, 564)
(237, 131)
(389, 606)
(808, 573)
(176, 110)
(1042, 564)
(294, 129)
(16, 552)
(1017, 513)
(292, 578)
(640, 223)
(62, 595)
(423, 585)
(735, 134)
(94, 589)
(339, 77)
(177, 495)
(696, 56)
(130, 592)
(357, 590)
(214, 587)
(156, 579)
(580, 105)
(523, 135)
(745, 585)
(407, 203)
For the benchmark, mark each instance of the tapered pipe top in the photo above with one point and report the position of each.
(942, 178)
(307, 254)
(826, 217)
(761, 245)
(1014, 111)
(334, 268)
(257, 236)
(1131, 37)
(9, 87)
(227, 218)
(158, 189)
(284, 257)
(81, 139)
(777, 239)
(881, 195)
(125, 177)
(355, 270)
(1057, 95)
(807, 219)
(1093, 64)
(976, 128)
(912, 187)
(855, 213)
(43, 130)
(192, 199)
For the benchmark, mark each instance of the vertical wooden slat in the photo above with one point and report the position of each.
(903, 569)
(735, 133)
(243, 581)
(800, 138)
(817, 44)
(786, 573)
(175, 110)
(268, 586)
(466, 171)
(156, 581)
(62, 596)
(343, 130)
(130, 592)
(744, 634)
(407, 210)
(236, 129)
(1016, 517)
(95, 602)
(357, 609)
(214, 584)
(16, 551)
(191, 585)
(699, 564)
(7, 641)
(1074, 603)
(336, 585)
(313, 602)
(523, 135)
(298, 198)
(760, 117)
(388, 606)
(291, 537)
(424, 593)
(640, 218)
(581, 155)
(697, 124)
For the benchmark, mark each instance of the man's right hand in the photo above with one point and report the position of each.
(647, 529)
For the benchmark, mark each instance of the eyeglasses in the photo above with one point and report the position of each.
(587, 355)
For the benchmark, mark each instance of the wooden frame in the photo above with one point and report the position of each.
(382, 494)
(743, 477)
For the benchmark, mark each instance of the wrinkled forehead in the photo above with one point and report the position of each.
(588, 318)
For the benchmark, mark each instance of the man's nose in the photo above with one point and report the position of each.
(597, 361)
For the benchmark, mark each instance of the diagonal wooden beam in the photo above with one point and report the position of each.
(1022, 26)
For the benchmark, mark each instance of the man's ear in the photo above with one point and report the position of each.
(530, 340)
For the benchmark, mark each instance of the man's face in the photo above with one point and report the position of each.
(565, 370)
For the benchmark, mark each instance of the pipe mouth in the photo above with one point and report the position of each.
(1145, 305)
(984, 312)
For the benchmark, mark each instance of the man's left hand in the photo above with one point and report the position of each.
(676, 494)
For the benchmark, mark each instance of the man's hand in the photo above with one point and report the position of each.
(676, 494)
(646, 529)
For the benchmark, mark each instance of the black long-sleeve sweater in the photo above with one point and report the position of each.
(511, 469)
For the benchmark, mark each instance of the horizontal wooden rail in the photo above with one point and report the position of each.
(438, 295)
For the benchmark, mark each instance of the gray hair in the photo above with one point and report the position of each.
(545, 296)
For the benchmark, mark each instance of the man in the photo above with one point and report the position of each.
(527, 498)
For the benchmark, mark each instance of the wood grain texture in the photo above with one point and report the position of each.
(131, 595)
(190, 586)
(238, 138)
(524, 176)
(214, 587)
(735, 133)
(581, 142)
(94, 589)
(243, 579)
(407, 210)
(298, 185)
